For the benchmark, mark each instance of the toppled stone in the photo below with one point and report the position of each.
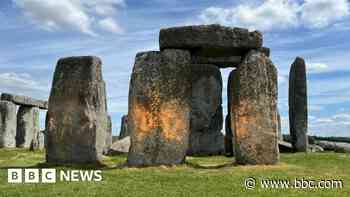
(24, 100)
(315, 148)
(340, 147)
(7, 124)
(285, 147)
(298, 105)
(159, 108)
(254, 110)
(206, 113)
(77, 117)
(120, 146)
(215, 40)
(27, 126)
(124, 132)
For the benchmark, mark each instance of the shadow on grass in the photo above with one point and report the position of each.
(209, 167)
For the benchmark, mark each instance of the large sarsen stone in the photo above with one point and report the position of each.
(254, 110)
(27, 126)
(213, 40)
(159, 108)
(206, 114)
(77, 116)
(7, 124)
(298, 105)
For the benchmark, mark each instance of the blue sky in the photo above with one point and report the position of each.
(36, 33)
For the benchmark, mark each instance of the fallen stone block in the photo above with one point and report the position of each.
(120, 146)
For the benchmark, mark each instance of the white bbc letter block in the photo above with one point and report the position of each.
(31, 175)
(14, 175)
(48, 175)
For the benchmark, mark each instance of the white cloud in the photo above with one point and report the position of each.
(336, 125)
(321, 13)
(110, 25)
(278, 14)
(57, 15)
(316, 67)
(104, 7)
(272, 13)
(77, 15)
(22, 84)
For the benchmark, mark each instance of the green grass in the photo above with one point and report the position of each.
(201, 176)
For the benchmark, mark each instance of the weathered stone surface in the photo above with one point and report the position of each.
(24, 100)
(265, 50)
(38, 142)
(120, 146)
(7, 124)
(159, 108)
(229, 148)
(254, 110)
(124, 132)
(298, 105)
(108, 142)
(41, 140)
(27, 126)
(77, 116)
(215, 40)
(206, 114)
(341, 147)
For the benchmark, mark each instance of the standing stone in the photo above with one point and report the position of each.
(206, 114)
(230, 141)
(7, 124)
(228, 137)
(41, 140)
(254, 110)
(77, 116)
(298, 105)
(124, 132)
(108, 142)
(159, 108)
(27, 126)
(38, 143)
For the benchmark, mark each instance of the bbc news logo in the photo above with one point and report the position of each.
(49, 175)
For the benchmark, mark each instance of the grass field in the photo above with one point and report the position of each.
(200, 176)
